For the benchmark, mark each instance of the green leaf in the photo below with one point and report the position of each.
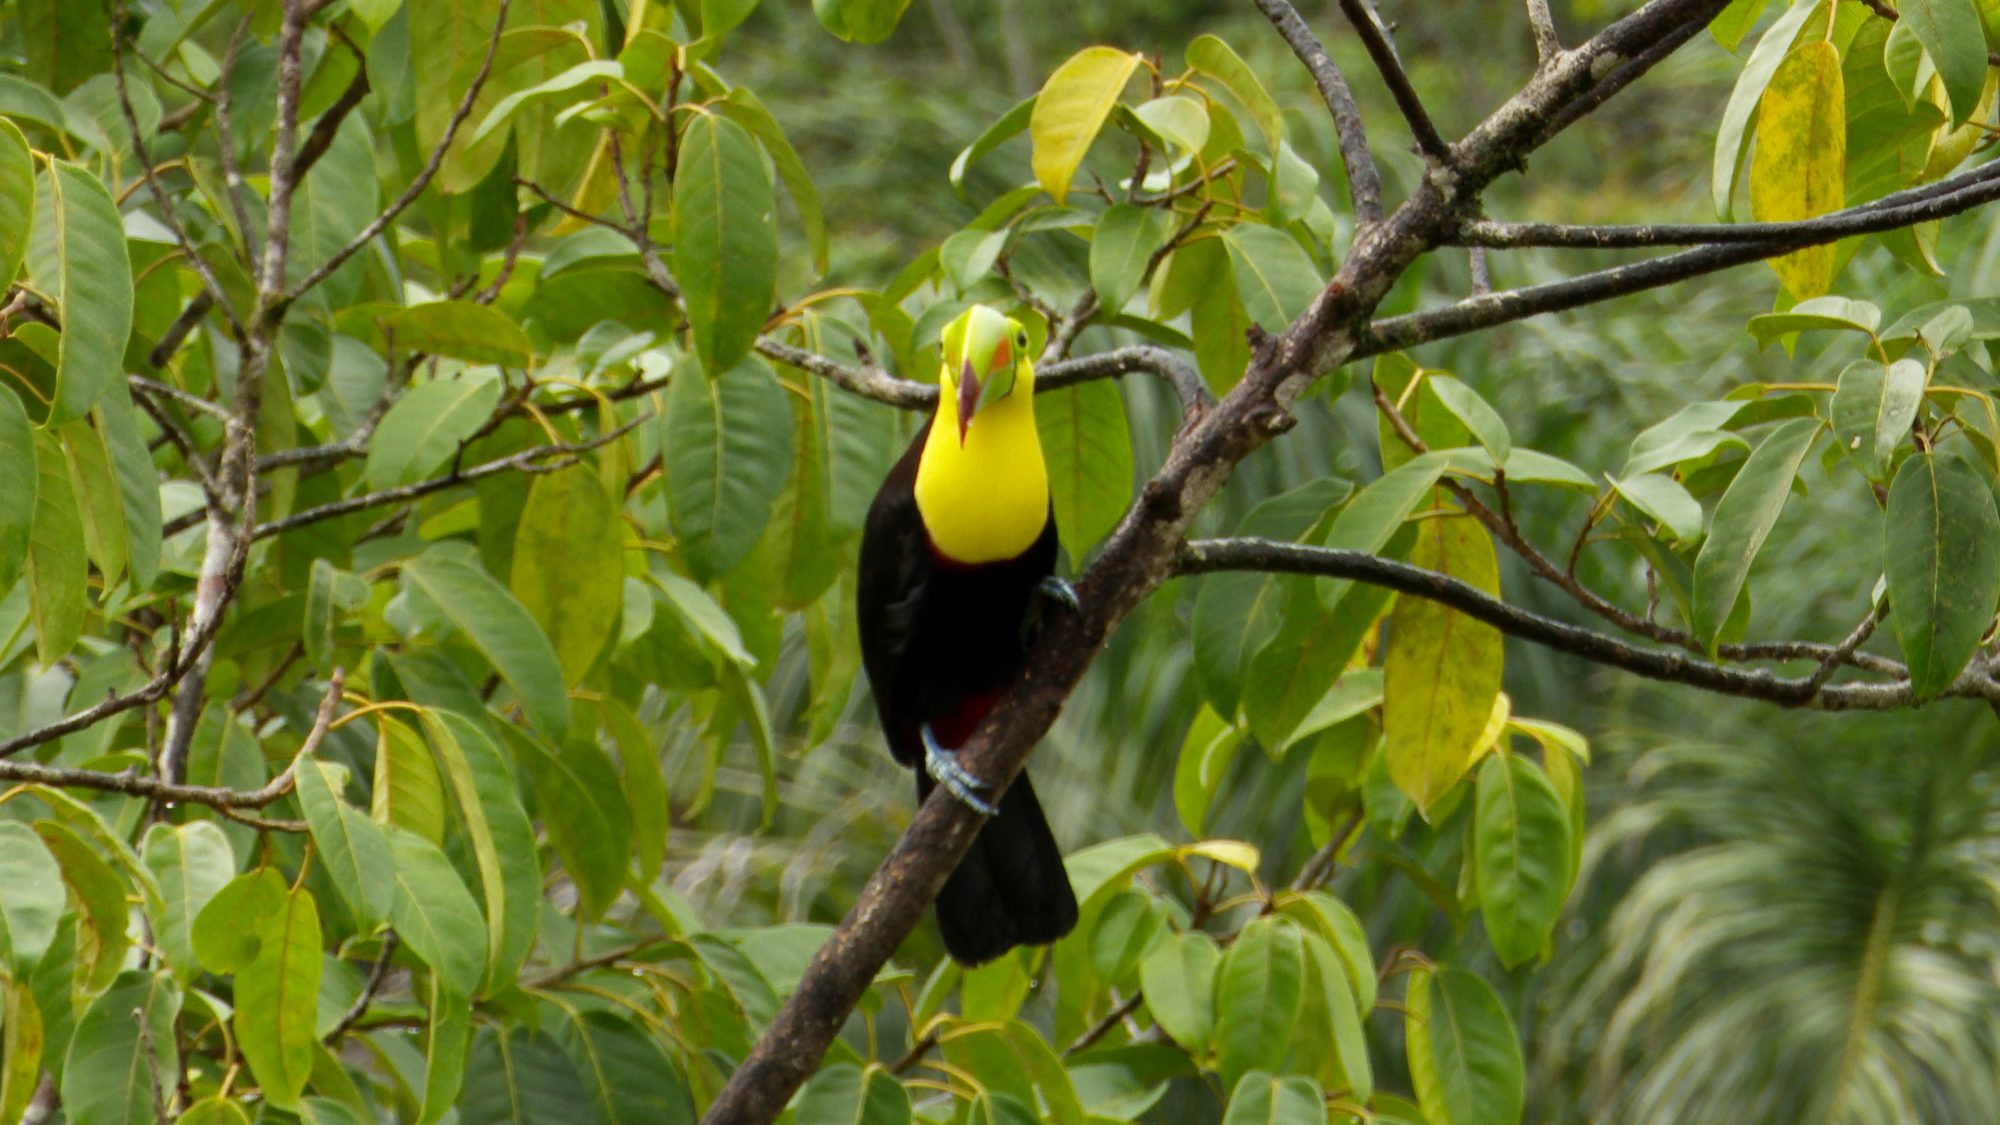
(1665, 501)
(192, 862)
(1257, 995)
(1205, 755)
(1735, 22)
(98, 501)
(742, 107)
(1291, 677)
(1873, 407)
(725, 238)
(57, 566)
(21, 1045)
(277, 998)
(1732, 138)
(32, 900)
(1837, 313)
(645, 787)
(138, 483)
(870, 21)
(1464, 1059)
(501, 837)
(425, 427)
(503, 632)
(102, 916)
(221, 940)
(1123, 244)
(1743, 517)
(406, 792)
(444, 1052)
(1798, 170)
(1177, 120)
(435, 915)
(968, 256)
(1691, 433)
(1236, 614)
(1263, 1098)
(517, 1074)
(845, 1094)
(19, 478)
(1377, 511)
(626, 1073)
(77, 257)
(352, 847)
(1275, 277)
(458, 329)
(1521, 847)
(590, 824)
(701, 611)
(449, 40)
(1954, 37)
(592, 72)
(17, 199)
(1218, 60)
(1476, 414)
(726, 442)
(1088, 447)
(1941, 557)
(1178, 975)
(1441, 668)
(569, 571)
(108, 1077)
(1000, 132)
(1070, 110)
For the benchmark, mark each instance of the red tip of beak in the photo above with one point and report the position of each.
(968, 399)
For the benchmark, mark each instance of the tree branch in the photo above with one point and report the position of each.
(134, 784)
(1364, 180)
(871, 382)
(1947, 197)
(1369, 27)
(1547, 45)
(1203, 556)
(527, 460)
(415, 187)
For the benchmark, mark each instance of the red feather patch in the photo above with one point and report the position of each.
(954, 728)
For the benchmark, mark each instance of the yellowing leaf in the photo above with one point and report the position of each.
(1800, 166)
(1441, 670)
(1071, 109)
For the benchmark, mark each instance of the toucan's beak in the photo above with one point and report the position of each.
(968, 397)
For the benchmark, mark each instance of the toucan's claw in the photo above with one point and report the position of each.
(1058, 588)
(942, 765)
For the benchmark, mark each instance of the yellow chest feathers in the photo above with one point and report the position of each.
(988, 499)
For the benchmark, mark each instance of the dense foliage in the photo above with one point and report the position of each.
(435, 439)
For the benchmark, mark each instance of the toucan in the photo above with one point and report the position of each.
(957, 565)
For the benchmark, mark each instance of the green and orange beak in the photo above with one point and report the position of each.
(983, 352)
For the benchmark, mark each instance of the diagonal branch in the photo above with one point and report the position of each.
(871, 382)
(1364, 180)
(1368, 25)
(134, 784)
(1960, 193)
(1204, 556)
(415, 187)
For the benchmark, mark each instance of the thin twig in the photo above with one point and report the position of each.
(415, 187)
(1204, 556)
(524, 461)
(1368, 26)
(377, 973)
(1364, 181)
(1547, 45)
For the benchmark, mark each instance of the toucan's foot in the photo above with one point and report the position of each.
(1059, 589)
(942, 765)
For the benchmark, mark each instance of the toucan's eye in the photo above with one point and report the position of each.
(1021, 341)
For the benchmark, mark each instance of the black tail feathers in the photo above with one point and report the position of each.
(1010, 889)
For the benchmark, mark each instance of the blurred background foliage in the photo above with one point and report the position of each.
(1698, 886)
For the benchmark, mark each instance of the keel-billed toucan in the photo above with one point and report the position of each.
(959, 546)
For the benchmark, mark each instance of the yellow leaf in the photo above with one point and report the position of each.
(1441, 669)
(1800, 167)
(1495, 731)
(1071, 109)
(1231, 853)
